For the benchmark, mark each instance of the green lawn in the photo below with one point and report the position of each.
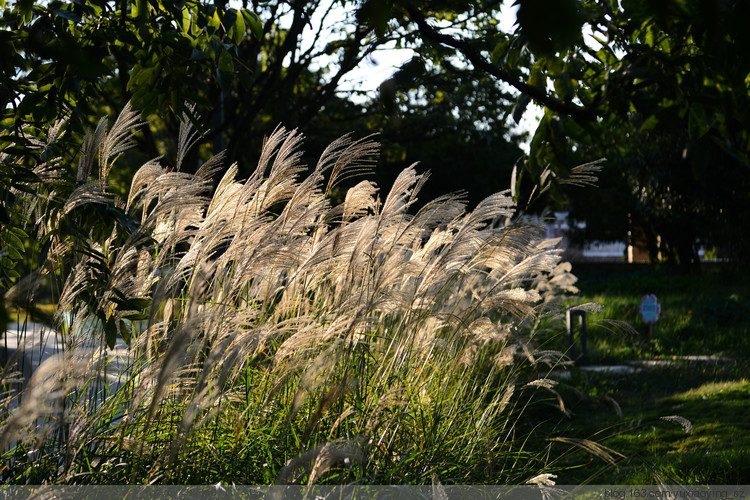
(706, 314)
(701, 315)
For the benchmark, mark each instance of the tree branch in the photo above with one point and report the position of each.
(349, 61)
(475, 57)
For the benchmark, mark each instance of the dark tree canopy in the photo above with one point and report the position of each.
(658, 88)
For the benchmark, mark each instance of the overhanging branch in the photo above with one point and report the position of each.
(481, 63)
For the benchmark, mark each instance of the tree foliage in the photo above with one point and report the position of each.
(660, 88)
(244, 71)
(452, 120)
(61, 53)
(677, 132)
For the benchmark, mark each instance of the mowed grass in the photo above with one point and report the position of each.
(701, 315)
(706, 314)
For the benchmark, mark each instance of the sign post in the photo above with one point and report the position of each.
(571, 332)
(650, 309)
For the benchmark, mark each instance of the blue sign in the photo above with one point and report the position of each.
(650, 309)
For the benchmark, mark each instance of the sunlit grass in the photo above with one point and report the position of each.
(713, 397)
(266, 335)
(701, 315)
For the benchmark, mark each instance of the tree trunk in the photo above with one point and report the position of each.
(683, 250)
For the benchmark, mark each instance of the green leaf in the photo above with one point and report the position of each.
(229, 19)
(185, 23)
(198, 55)
(14, 241)
(514, 53)
(220, 79)
(698, 123)
(252, 20)
(110, 332)
(140, 9)
(650, 123)
(537, 78)
(124, 332)
(564, 86)
(239, 29)
(225, 62)
(25, 8)
(13, 253)
(499, 51)
(70, 16)
(29, 103)
(549, 25)
(375, 14)
(575, 130)
(649, 38)
(145, 76)
(143, 98)
(213, 23)
(136, 317)
(137, 304)
(520, 107)
(196, 27)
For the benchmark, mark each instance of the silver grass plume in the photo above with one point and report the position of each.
(117, 140)
(352, 318)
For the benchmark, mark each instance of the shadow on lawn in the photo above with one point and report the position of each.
(714, 449)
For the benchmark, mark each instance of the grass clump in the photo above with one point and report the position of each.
(266, 335)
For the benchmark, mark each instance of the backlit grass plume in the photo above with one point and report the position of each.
(267, 335)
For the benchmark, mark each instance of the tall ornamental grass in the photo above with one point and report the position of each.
(269, 336)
